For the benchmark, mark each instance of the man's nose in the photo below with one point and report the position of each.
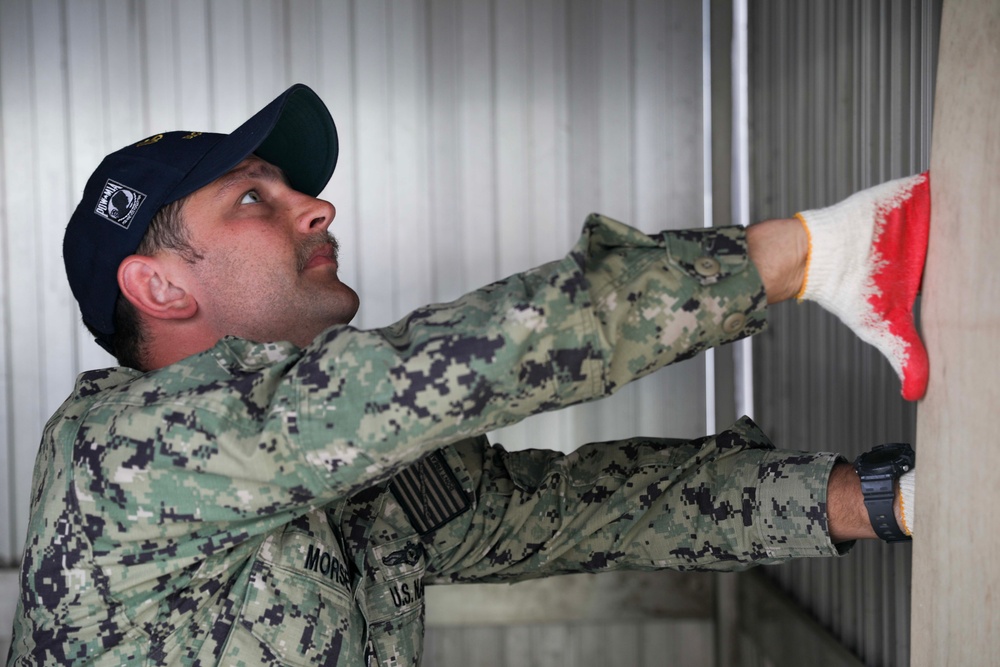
(316, 215)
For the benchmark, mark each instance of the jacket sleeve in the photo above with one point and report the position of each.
(620, 305)
(724, 502)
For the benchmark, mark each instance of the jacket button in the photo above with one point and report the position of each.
(734, 323)
(706, 266)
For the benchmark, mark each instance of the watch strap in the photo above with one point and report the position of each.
(880, 493)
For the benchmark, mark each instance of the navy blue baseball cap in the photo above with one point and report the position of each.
(295, 132)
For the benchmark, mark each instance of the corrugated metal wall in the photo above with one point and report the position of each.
(842, 96)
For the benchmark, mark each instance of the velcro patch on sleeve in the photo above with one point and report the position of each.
(429, 493)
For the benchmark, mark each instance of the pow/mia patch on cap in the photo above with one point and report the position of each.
(429, 493)
(119, 203)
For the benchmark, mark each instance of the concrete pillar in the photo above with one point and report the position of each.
(956, 555)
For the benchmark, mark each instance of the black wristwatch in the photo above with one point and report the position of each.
(879, 469)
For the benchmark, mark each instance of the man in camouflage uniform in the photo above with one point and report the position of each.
(266, 485)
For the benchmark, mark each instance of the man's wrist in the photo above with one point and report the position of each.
(847, 516)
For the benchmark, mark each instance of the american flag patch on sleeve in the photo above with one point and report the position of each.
(429, 493)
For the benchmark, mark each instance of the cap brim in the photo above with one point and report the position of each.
(295, 132)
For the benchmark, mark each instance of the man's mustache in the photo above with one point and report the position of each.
(309, 249)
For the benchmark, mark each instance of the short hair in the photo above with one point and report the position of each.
(166, 231)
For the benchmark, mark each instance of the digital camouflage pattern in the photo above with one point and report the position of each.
(265, 504)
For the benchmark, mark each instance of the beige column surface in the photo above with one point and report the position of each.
(956, 556)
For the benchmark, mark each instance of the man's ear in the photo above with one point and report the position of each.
(144, 283)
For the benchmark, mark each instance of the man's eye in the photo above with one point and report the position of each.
(250, 198)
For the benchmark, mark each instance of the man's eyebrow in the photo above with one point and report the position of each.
(254, 170)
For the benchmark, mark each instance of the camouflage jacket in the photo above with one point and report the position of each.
(265, 504)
